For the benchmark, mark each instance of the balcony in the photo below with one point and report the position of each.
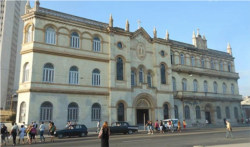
(204, 71)
(190, 95)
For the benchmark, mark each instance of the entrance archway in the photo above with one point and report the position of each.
(208, 113)
(144, 105)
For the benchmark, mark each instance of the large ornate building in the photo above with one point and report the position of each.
(77, 69)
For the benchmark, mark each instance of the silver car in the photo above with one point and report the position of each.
(175, 122)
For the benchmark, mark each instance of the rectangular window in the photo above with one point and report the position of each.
(48, 75)
(73, 77)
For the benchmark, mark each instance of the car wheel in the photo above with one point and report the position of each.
(83, 134)
(60, 136)
(130, 132)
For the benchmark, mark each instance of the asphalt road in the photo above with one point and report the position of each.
(187, 138)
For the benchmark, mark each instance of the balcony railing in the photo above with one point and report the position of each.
(207, 96)
(204, 71)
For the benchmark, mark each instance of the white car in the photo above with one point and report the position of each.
(175, 121)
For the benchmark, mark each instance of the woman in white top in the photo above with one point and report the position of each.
(21, 134)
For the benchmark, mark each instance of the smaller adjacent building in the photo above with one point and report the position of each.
(246, 107)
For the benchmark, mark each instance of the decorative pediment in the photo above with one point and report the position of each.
(142, 103)
(142, 32)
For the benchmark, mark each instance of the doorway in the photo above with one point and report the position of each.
(139, 113)
(208, 118)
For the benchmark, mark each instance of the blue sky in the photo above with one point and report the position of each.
(221, 22)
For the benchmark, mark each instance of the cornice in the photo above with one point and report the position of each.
(63, 91)
(65, 54)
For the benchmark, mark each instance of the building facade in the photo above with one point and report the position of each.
(76, 69)
(10, 46)
(246, 108)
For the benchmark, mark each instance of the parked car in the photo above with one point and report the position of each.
(175, 122)
(122, 127)
(73, 130)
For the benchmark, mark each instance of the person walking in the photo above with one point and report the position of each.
(41, 129)
(104, 135)
(184, 124)
(161, 127)
(147, 125)
(7, 133)
(14, 132)
(28, 132)
(21, 134)
(179, 126)
(98, 127)
(156, 125)
(33, 133)
(172, 126)
(229, 130)
(52, 129)
(3, 134)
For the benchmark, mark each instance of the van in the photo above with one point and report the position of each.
(175, 122)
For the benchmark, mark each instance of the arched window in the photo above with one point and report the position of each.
(212, 64)
(172, 57)
(184, 85)
(176, 113)
(26, 72)
(165, 111)
(46, 111)
(73, 75)
(218, 112)
(236, 113)
(96, 44)
(73, 112)
(50, 35)
(119, 69)
(215, 87)
(141, 75)
(229, 67)
(120, 112)
(187, 112)
(195, 85)
(174, 83)
(29, 34)
(192, 61)
(198, 112)
(232, 88)
(48, 73)
(205, 86)
(149, 78)
(224, 86)
(96, 77)
(133, 78)
(96, 112)
(202, 63)
(22, 112)
(163, 74)
(182, 59)
(227, 113)
(221, 66)
(74, 42)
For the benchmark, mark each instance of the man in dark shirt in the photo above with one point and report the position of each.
(3, 134)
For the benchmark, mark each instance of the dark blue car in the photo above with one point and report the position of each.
(73, 130)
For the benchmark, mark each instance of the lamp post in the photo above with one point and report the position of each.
(144, 120)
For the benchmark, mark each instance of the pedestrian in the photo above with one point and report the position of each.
(147, 125)
(169, 125)
(3, 134)
(156, 125)
(41, 129)
(98, 127)
(151, 128)
(229, 130)
(225, 121)
(161, 127)
(184, 124)
(35, 125)
(14, 132)
(172, 126)
(21, 134)
(179, 126)
(242, 120)
(33, 133)
(7, 133)
(104, 135)
(52, 129)
(49, 124)
(207, 122)
(28, 132)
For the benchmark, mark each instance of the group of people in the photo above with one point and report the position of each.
(69, 125)
(163, 127)
(30, 130)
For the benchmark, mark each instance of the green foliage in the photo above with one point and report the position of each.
(12, 118)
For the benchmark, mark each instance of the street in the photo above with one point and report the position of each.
(187, 138)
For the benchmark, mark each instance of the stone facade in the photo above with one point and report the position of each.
(135, 74)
